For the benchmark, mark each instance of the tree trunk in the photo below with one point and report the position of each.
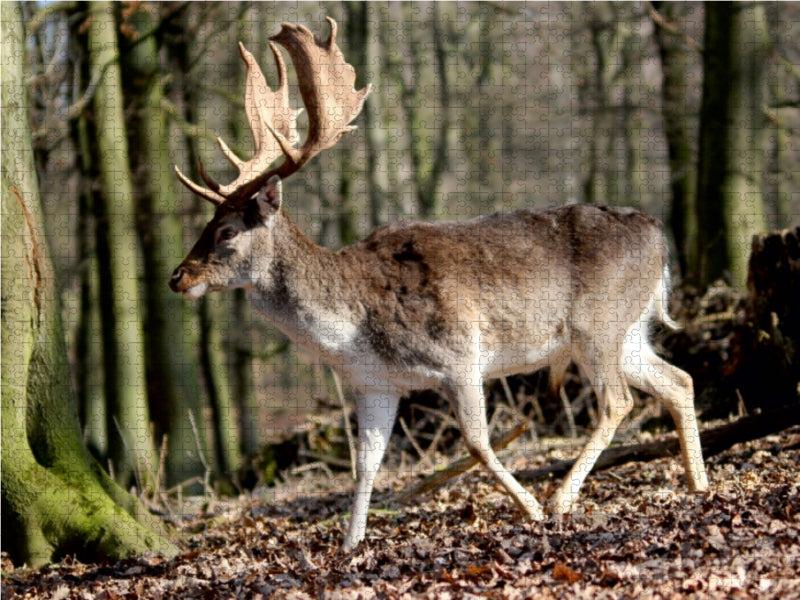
(240, 434)
(367, 62)
(489, 141)
(683, 176)
(88, 333)
(211, 310)
(55, 499)
(731, 139)
(600, 186)
(429, 133)
(238, 429)
(635, 182)
(128, 419)
(173, 383)
(769, 341)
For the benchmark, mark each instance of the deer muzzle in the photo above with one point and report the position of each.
(176, 279)
(182, 282)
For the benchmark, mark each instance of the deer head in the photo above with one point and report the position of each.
(246, 207)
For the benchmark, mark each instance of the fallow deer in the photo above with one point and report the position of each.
(442, 305)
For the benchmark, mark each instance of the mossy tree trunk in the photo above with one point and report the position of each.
(55, 498)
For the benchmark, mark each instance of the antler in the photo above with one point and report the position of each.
(327, 87)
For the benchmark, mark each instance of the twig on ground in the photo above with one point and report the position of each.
(207, 474)
(573, 433)
(412, 440)
(514, 405)
(351, 445)
(454, 469)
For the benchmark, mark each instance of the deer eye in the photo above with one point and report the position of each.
(228, 233)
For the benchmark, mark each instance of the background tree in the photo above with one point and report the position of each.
(173, 380)
(363, 19)
(672, 48)
(131, 445)
(428, 129)
(730, 173)
(226, 352)
(56, 499)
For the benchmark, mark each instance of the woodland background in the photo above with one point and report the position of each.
(686, 111)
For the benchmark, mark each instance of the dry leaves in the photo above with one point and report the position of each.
(635, 534)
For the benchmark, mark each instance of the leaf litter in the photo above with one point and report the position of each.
(634, 533)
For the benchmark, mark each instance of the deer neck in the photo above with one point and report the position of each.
(304, 291)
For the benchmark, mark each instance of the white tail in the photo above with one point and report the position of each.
(448, 305)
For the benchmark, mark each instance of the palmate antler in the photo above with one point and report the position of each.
(326, 84)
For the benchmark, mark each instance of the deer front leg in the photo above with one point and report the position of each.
(469, 407)
(376, 414)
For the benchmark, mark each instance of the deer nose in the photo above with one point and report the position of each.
(175, 280)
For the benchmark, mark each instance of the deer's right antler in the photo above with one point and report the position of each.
(326, 84)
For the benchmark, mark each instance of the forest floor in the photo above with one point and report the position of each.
(635, 533)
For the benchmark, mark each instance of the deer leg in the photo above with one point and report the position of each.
(674, 389)
(615, 401)
(469, 406)
(376, 414)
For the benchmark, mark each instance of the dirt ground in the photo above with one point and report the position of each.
(635, 533)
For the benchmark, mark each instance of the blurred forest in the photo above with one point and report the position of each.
(475, 107)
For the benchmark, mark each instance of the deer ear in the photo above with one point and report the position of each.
(269, 197)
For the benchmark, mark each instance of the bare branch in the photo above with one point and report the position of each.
(660, 21)
(41, 15)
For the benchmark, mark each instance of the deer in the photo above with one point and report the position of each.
(437, 305)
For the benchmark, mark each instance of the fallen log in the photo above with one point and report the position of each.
(714, 441)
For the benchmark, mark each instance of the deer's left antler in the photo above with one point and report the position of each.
(326, 84)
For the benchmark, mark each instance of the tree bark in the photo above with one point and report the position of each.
(600, 186)
(429, 132)
(769, 340)
(212, 310)
(635, 182)
(489, 141)
(367, 61)
(88, 333)
(131, 448)
(173, 383)
(731, 139)
(683, 175)
(55, 498)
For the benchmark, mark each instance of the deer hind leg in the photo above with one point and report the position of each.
(673, 387)
(469, 407)
(614, 403)
(376, 414)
